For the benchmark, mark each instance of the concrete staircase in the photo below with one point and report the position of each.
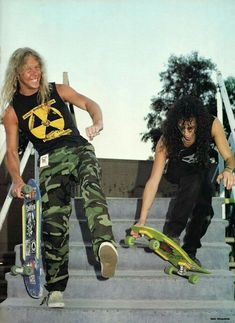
(6, 259)
(140, 290)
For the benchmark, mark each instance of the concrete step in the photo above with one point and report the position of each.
(116, 311)
(212, 256)
(140, 290)
(137, 285)
(79, 230)
(3, 290)
(129, 208)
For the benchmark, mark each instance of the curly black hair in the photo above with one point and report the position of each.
(184, 109)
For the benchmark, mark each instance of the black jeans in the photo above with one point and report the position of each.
(191, 210)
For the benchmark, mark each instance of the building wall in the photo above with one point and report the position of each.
(127, 178)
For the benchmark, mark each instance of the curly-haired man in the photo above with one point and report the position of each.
(184, 149)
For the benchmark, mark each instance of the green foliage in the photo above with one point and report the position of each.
(184, 75)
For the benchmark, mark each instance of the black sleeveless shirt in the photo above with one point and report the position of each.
(185, 163)
(48, 126)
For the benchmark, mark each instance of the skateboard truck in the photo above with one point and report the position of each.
(24, 270)
(182, 270)
(28, 191)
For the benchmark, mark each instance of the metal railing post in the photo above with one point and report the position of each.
(222, 97)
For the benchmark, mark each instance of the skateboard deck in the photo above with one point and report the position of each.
(31, 240)
(181, 264)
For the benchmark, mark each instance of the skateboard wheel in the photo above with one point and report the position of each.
(169, 270)
(14, 270)
(129, 241)
(154, 244)
(28, 271)
(27, 189)
(193, 279)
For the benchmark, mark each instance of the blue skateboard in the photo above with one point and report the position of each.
(31, 240)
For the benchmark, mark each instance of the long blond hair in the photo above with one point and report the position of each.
(11, 84)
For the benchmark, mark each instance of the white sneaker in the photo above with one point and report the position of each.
(108, 259)
(55, 299)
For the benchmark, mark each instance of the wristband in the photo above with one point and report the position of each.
(230, 169)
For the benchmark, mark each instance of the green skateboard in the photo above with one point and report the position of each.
(181, 264)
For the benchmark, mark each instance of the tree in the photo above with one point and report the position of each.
(185, 75)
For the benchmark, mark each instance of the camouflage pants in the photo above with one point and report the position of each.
(70, 165)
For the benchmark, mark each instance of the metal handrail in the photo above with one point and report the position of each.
(227, 105)
(2, 143)
(223, 100)
(8, 200)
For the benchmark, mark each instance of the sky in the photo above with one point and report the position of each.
(114, 50)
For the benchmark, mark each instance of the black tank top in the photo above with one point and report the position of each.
(185, 163)
(48, 126)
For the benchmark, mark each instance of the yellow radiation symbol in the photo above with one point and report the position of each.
(46, 122)
(42, 119)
